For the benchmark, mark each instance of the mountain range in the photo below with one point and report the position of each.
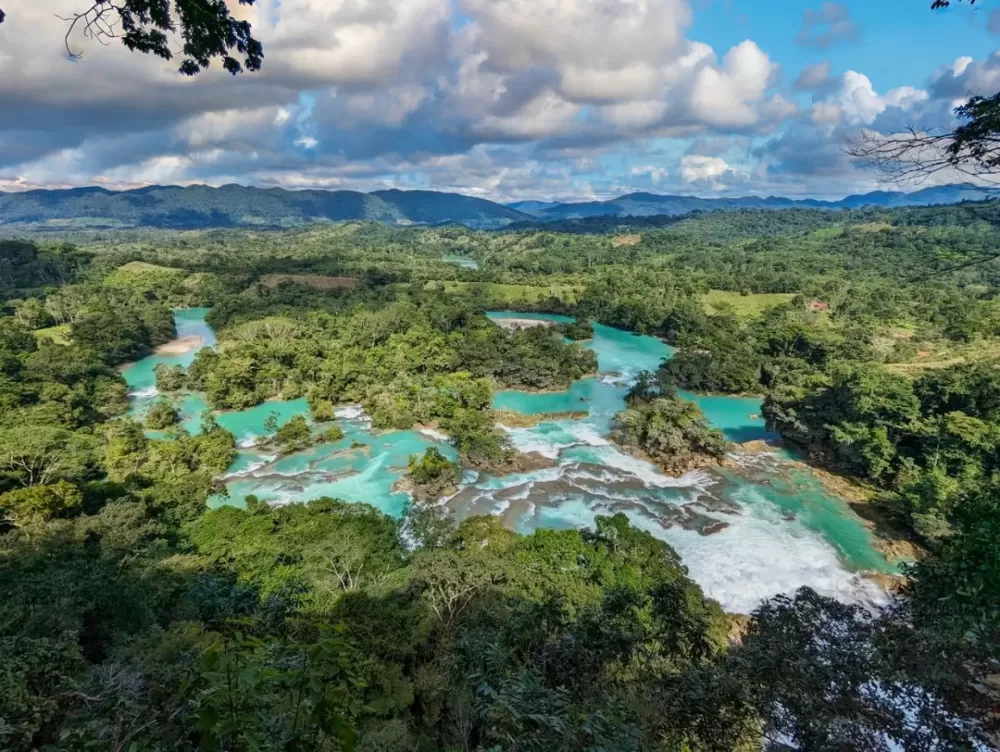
(651, 204)
(200, 206)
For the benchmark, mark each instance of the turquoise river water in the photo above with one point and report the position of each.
(745, 533)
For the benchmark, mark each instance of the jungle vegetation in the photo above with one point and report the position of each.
(134, 617)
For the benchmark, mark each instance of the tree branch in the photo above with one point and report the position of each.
(95, 25)
(914, 156)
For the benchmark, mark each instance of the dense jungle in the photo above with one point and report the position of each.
(151, 602)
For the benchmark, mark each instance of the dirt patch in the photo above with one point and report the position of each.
(625, 240)
(759, 446)
(737, 627)
(315, 281)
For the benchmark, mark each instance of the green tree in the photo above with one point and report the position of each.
(433, 475)
(42, 455)
(163, 414)
(207, 29)
(293, 435)
(126, 450)
(169, 378)
(41, 503)
(672, 431)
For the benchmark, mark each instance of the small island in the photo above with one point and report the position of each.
(671, 432)
(430, 477)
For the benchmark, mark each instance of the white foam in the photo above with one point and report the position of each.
(761, 555)
(647, 472)
(500, 507)
(247, 441)
(433, 433)
(253, 467)
(551, 443)
(146, 393)
(511, 481)
(350, 412)
(587, 434)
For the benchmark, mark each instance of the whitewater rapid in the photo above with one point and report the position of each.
(743, 536)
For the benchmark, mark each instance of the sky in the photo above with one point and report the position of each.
(504, 99)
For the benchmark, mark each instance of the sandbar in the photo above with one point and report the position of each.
(181, 345)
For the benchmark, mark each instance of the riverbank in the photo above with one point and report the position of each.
(891, 540)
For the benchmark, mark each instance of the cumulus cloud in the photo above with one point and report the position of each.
(830, 25)
(502, 98)
(814, 147)
(710, 172)
(967, 77)
(725, 95)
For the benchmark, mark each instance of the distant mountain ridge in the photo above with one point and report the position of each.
(201, 206)
(651, 204)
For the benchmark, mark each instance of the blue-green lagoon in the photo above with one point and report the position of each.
(756, 528)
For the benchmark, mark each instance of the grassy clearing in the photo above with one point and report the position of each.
(141, 267)
(716, 301)
(873, 226)
(511, 294)
(943, 354)
(828, 232)
(619, 241)
(58, 334)
(316, 281)
(139, 275)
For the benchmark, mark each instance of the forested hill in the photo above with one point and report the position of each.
(201, 206)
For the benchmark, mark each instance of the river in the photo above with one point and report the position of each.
(745, 533)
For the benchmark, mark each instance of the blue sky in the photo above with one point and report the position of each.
(902, 42)
(506, 99)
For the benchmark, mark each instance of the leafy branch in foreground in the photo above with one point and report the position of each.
(206, 27)
(915, 154)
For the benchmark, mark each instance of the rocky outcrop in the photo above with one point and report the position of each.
(513, 419)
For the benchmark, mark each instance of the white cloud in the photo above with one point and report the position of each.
(712, 172)
(724, 95)
(967, 77)
(859, 103)
(654, 173)
(355, 42)
(508, 98)
(583, 40)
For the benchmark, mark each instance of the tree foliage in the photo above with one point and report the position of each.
(134, 617)
(207, 30)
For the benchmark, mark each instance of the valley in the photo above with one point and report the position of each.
(692, 438)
